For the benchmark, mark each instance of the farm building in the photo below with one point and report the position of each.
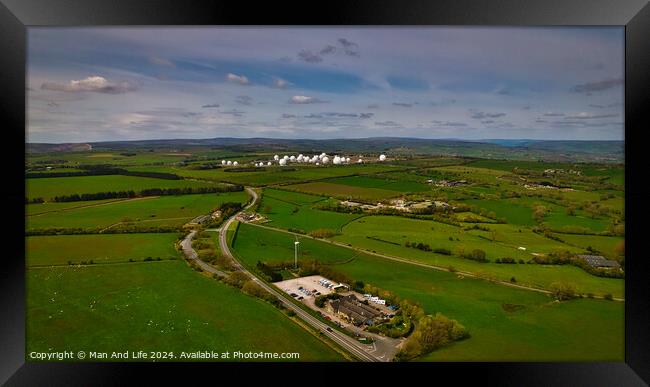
(599, 261)
(353, 310)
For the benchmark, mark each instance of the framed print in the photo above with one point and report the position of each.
(453, 188)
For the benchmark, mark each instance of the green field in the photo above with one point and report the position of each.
(106, 248)
(293, 210)
(42, 208)
(278, 247)
(559, 220)
(138, 295)
(275, 174)
(509, 209)
(50, 187)
(154, 306)
(343, 191)
(382, 183)
(155, 211)
(508, 239)
(541, 330)
(606, 245)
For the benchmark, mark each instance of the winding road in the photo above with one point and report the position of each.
(380, 350)
(372, 353)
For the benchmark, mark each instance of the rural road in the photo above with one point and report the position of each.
(190, 253)
(410, 262)
(361, 351)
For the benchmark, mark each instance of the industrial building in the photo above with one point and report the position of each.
(352, 309)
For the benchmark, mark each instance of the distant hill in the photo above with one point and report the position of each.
(571, 151)
(51, 148)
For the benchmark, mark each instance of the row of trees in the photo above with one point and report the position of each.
(146, 192)
(104, 169)
(427, 247)
(119, 229)
(242, 281)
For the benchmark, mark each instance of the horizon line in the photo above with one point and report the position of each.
(326, 139)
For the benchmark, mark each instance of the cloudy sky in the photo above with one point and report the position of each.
(96, 84)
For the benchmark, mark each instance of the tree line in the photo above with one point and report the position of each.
(119, 229)
(103, 169)
(146, 192)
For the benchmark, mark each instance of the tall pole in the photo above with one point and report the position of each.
(296, 243)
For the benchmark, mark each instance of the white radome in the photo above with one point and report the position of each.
(360, 161)
(269, 163)
(317, 163)
(347, 159)
(292, 158)
(223, 162)
(283, 162)
(382, 157)
(325, 159)
(337, 160)
(229, 162)
(235, 163)
(285, 157)
(276, 157)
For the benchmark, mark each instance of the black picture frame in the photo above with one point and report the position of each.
(17, 15)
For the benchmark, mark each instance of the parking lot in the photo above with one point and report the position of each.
(305, 287)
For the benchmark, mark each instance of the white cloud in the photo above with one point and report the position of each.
(93, 84)
(587, 116)
(303, 99)
(240, 79)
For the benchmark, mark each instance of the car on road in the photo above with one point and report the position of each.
(301, 297)
(329, 329)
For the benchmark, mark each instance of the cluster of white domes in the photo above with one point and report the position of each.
(322, 158)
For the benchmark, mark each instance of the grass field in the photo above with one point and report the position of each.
(278, 247)
(106, 248)
(291, 197)
(279, 175)
(540, 330)
(42, 208)
(558, 220)
(382, 183)
(154, 306)
(57, 186)
(509, 209)
(605, 244)
(344, 191)
(508, 239)
(156, 211)
(293, 210)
